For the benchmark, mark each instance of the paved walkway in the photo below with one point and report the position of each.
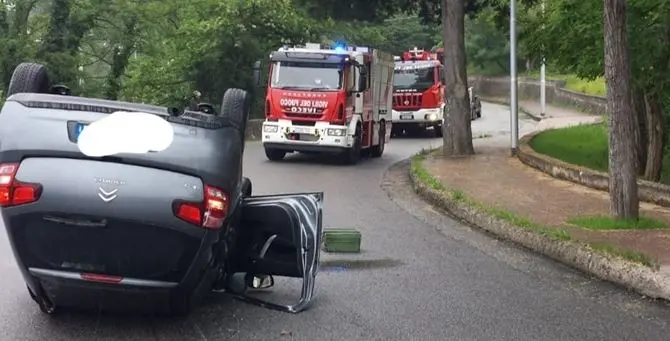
(497, 180)
(556, 117)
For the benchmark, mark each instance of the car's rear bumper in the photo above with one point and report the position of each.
(54, 260)
(68, 289)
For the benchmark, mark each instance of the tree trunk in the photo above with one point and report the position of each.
(457, 130)
(655, 138)
(640, 108)
(623, 160)
(120, 60)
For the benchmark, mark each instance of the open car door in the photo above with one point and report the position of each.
(284, 235)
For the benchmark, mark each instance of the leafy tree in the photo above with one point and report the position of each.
(648, 25)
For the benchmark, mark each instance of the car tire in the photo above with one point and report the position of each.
(438, 131)
(235, 107)
(29, 78)
(274, 154)
(246, 187)
(378, 150)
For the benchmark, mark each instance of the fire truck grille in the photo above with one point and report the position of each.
(407, 100)
(303, 112)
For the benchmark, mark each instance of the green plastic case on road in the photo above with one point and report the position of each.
(341, 241)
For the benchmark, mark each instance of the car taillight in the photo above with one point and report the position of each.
(211, 214)
(216, 207)
(14, 192)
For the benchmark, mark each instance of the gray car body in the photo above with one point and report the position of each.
(36, 130)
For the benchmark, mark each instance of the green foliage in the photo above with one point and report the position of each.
(602, 222)
(486, 47)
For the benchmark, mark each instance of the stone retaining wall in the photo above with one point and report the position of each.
(497, 87)
(648, 191)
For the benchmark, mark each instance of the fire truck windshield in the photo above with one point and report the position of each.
(306, 75)
(414, 76)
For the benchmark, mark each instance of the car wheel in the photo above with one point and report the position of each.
(246, 187)
(235, 107)
(378, 150)
(438, 131)
(274, 154)
(29, 78)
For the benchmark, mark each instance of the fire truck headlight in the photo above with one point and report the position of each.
(270, 129)
(336, 132)
(431, 117)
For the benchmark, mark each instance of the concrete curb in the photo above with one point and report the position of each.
(644, 280)
(506, 102)
(648, 191)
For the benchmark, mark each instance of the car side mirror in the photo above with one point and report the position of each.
(257, 73)
(259, 282)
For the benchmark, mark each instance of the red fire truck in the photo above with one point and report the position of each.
(323, 99)
(418, 93)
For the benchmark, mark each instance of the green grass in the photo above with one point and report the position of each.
(560, 234)
(596, 87)
(603, 222)
(584, 145)
(633, 256)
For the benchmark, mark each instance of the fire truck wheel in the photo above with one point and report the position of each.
(378, 150)
(353, 155)
(274, 154)
(30, 78)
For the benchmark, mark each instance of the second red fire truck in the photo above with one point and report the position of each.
(418, 93)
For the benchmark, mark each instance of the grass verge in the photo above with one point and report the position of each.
(560, 234)
(605, 223)
(584, 145)
(461, 197)
(633, 256)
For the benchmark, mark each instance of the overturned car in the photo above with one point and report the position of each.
(111, 203)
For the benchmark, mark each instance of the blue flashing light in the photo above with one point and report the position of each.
(339, 46)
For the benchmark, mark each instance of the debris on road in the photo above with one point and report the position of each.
(345, 240)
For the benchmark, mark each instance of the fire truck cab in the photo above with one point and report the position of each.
(331, 100)
(418, 93)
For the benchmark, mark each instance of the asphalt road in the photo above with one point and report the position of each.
(421, 275)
